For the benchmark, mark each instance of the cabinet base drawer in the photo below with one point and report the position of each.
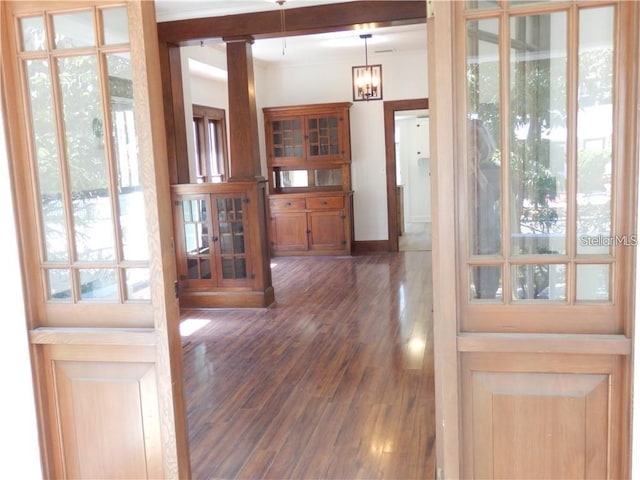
(287, 203)
(325, 202)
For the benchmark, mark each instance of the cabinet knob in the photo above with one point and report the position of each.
(288, 204)
(324, 202)
(214, 239)
(308, 231)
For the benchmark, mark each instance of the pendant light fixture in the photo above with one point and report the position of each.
(366, 79)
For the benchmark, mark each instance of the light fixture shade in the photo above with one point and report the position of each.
(366, 81)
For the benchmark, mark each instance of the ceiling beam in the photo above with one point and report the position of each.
(298, 21)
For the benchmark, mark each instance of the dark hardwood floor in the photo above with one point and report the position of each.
(334, 382)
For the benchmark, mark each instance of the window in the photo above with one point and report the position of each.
(210, 139)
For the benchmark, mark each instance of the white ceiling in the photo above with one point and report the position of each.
(301, 49)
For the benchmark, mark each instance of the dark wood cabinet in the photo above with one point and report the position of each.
(311, 223)
(218, 250)
(213, 240)
(308, 148)
(309, 163)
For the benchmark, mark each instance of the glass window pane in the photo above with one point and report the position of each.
(241, 267)
(199, 210)
(192, 268)
(595, 129)
(196, 150)
(84, 140)
(115, 25)
(538, 134)
(483, 140)
(214, 161)
(47, 161)
(226, 245)
(473, 4)
(133, 229)
(238, 242)
(520, 2)
(74, 30)
(593, 282)
(59, 281)
(205, 268)
(32, 34)
(98, 284)
(486, 283)
(539, 282)
(137, 284)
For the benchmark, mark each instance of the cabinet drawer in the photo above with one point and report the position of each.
(325, 202)
(287, 203)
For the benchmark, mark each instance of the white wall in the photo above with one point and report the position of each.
(404, 76)
(19, 448)
(413, 152)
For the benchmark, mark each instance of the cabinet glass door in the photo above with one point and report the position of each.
(197, 241)
(323, 138)
(288, 139)
(230, 233)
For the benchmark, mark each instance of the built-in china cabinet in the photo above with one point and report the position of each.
(219, 251)
(309, 169)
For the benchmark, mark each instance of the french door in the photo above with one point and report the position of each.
(544, 123)
(80, 82)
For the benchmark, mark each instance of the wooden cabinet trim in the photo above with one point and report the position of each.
(545, 343)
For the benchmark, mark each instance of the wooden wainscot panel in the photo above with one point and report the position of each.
(553, 414)
(94, 439)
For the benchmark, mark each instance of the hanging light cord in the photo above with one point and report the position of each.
(366, 36)
(366, 51)
(283, 24)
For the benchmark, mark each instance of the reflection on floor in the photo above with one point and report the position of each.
(334, 382)
(416, 237)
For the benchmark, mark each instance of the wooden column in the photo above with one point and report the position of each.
(243, 119)
(244, 155)
(174, 113)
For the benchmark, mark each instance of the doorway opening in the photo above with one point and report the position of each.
(406, 124)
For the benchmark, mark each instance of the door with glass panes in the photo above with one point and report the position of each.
(86, 143)
(212, 244)
(545, 236)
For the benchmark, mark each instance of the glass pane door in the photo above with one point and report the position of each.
(288, 139)
(77, 76)
(540, 163)
(324, 137)
(230, 227)
(198, 265)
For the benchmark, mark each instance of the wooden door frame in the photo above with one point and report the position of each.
(390, 108)
(442, 127)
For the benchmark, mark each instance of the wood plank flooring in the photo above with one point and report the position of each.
(334, 382)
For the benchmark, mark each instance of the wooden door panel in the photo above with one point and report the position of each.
(289, 232)
(327, 230)
(84, 384)
(526, 416)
